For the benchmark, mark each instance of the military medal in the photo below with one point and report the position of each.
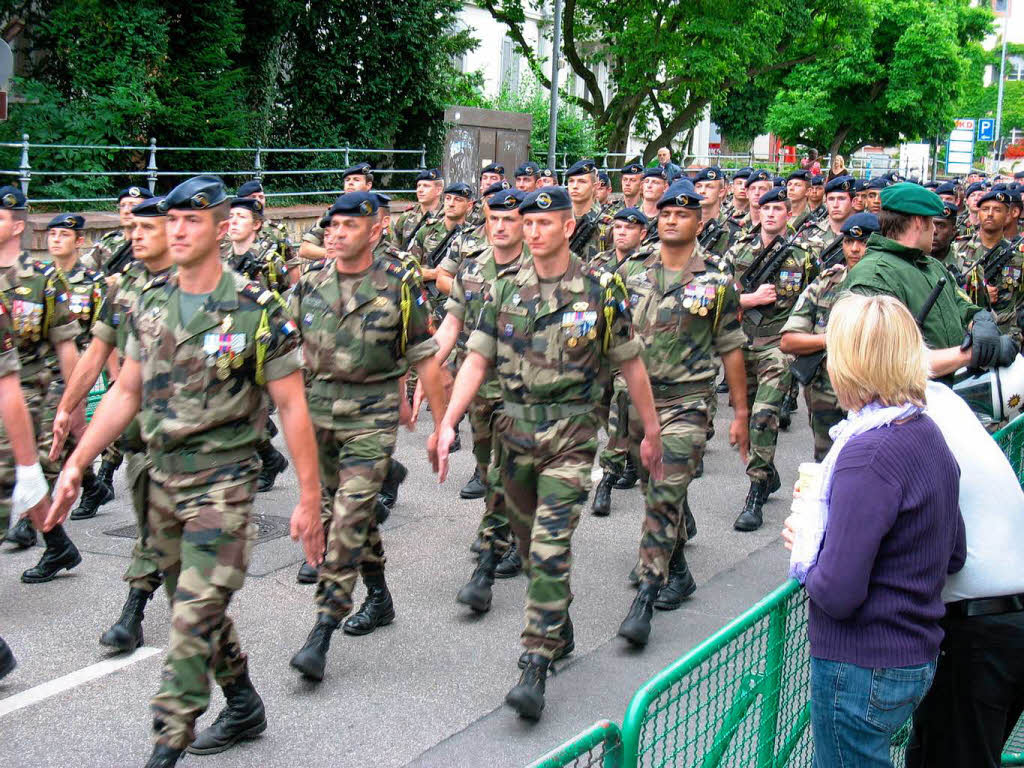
(703, 312)
(572, 341)
(592, 334)
(23, 290)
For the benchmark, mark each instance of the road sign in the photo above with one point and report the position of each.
(965, 124)
(960, 147)
(986, 129)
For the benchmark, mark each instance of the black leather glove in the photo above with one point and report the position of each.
(983, 339)
(1008, 351)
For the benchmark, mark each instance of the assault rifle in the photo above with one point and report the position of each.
(583, 232)
(997, 257)
(765, 267)
(117, 261)
(710, 233)
(432, 261)
(420, 223)
(831, 255)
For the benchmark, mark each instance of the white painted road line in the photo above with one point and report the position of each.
(73, 680)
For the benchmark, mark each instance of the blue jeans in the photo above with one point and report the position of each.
(856, 710)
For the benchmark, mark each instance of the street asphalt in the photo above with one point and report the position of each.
(425, 691)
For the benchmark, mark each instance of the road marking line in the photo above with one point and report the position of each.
(74, 679)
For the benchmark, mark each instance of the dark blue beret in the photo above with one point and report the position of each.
(604, 178)
(657, 172)
(196, 194)
(150, 208)
(1003, 196)
(580, 168)
(799, 175)
(879, 182)
(1019, 175)
(383, 201)
(431, 174)
(251, 203)
(360, 203)
(817, 181)
(505, 200)
(12, 199)
(680, 195)
(860, 226)
(545, 173)
(140, 192)
(758, 175)
(249, 188)
(949, 211)
(496, 187)
(711, 173)
(841, 184)
(743, 172)
(459, 188)
(946, 188)
(632, 169)
(632, 215)
(497, 168)
(545, 200)
(778, 181)
(527, 169)
(67, 221)
(359, 169)
(978, 186)
(774, 195)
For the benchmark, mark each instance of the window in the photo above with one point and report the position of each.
(1015, 67)
(509, 67)
(1000, 6)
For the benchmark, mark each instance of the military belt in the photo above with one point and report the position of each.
(181, 463)
(346, 390)
(549, 412)
(681, 389)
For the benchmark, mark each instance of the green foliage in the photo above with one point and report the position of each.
(897, 76)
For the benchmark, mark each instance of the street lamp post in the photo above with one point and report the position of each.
(999, 98)
(556, 48)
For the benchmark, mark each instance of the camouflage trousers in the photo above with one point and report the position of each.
(486, 421)
(353, 465)
(202, 535)
(545, 468)
(768, 381)
(684, 426)
(114, 454)
(613, 457)
(823, 412)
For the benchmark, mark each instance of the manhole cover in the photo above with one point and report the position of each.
(269, 527)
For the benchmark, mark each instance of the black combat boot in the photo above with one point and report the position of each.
(243, 717)
(23, 534)
(690, 522)
(478, 545)
(377, 609)
(629, 475)
(164, 757)
(126, 633)
(395, 477)
(308, 574)
(774, 482)
(568, 644)
(475, 488)
(457, 445)
(274, 463)
(60, 553)
(699, 471)
(634, 576)
(722, 388)
(312, 657)
(603, 495)
(476, 593)
(95, 493)
(789, 403)
(510, 565)
(680, 584)
(106, 475)
(751, 518)
(7, 661)
(527, 697)
(636, 627)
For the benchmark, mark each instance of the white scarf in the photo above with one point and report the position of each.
(811, 530)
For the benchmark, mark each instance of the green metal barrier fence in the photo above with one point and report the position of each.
(600, 746)
(95, 395)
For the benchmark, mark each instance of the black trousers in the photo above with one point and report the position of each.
(977, 696)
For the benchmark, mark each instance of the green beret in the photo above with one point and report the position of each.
(911, 199)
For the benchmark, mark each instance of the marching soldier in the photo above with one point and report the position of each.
(686, 315)
(364, 322)
(432, 241)
(490, 174)
(581, 182)
(34, 296)
(816, 198)
(526, 177)
(228, 342)
(466, 244)
(739, 203)
(631, 180)
(426, 210)
(803, 335)
(603, 194)
(546, 178)
(551, 331)
(652, 187)
(151, 259)
(718, 230)
(273, 235)
(798, 186)
(358, 178)
(113, 250)
(839, 197)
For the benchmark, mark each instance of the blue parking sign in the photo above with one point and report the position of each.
(986, 129)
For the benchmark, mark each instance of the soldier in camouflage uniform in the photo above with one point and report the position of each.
(552, 331)
(151, 259)
(629, 226)
(274, 242)
(590, 237)
(603, 193)
(204, 348)
(490, 174)
(716, 238)
(766, 306)
(33, 295)
(427, 209)
(115, 247)
(798, 185)
(804, 331)
(364, 322)
(526, 177)
(358, 178)
(967, 223)
(739, 203)
(653, 184)
(943, 235)
(469, 242)
(687, 317)
(546, 178)
(631, 180)
(433, 240)
(816, 198)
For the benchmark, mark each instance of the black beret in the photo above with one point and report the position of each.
(860, 226)
(383, 201)
(656, 172)
(631, 215)
(1019, 175)
(680, 195)
(799, 175)
(431, 174)
(879, 182)
(249, 188)
(140, 192)
(251, 203)
(743, 172)
(894, 177)
(978, 186)
(933, 185)
(359, 169)
(632, 169)
(66, 221)
(997, 195)
(496, 187)
(778, 181)
(459, 188)
(545, 173)
(758, 175)
(150, 208)
(604, 178)
(817, 181)
(774, 195)
(841, 184)
(546, 199)
(711, 173)
(946, 188)
(360, 203)
(580, 168)
(497, 168)
(949, 211)
(527, 169)
(505, 199)
(196, 194)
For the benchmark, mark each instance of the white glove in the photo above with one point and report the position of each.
(29, 488)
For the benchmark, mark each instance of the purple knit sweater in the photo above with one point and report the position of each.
(894, 533)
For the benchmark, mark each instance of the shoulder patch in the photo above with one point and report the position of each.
(396, 269)
(44, 268)
(156, 282)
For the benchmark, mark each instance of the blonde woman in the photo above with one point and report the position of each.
(890, 532)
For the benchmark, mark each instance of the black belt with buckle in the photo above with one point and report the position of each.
(985, 606)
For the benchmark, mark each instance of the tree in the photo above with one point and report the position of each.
(899, 76)
(667, 60)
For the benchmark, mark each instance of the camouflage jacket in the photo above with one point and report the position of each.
(467, 244)
(553, 358)
(812, 309)
(1009, 285)
(814, 237)
(764, 324)
(723, 239)
(34, 298)
(471, 285)
(594, 228)
(204, 407)
(85, 289)
(355, 354)
(315, 233)
(9, 364)
(103, 249)
(408, 223)
(111, 325)
(262, 264)
(607, 260)
(683, 326)
(429, 238)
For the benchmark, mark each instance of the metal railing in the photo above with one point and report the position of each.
(600, 746)
(151, 173)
